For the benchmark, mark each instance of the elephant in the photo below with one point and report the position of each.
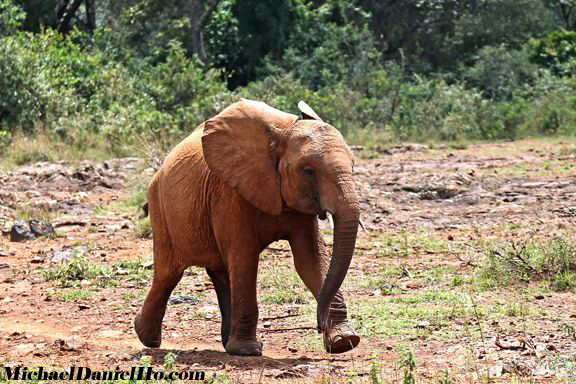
(243, 179)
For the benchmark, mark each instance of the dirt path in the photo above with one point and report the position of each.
(413, 284)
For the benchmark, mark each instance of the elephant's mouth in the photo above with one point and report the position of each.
(322, 215)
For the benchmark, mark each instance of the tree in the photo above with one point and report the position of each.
(11, 17)
(62, 15)
(198, 13)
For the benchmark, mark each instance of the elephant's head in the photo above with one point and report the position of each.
(276, 161)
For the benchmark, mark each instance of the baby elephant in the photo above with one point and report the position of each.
(248, 177)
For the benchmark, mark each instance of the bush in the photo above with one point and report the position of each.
(554, 262)
(500, 72)
(556, 51)
(56, 85)
(11, 17)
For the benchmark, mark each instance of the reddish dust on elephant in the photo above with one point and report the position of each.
(242, 180)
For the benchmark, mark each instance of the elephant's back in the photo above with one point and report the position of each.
(184, 185)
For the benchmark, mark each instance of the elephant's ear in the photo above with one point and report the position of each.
(237, 145)
(307, 112)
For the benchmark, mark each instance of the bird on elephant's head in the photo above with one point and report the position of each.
(243, 179)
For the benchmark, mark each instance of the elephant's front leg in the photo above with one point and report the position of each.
(311, 261)
(242, 271)
(221, 284)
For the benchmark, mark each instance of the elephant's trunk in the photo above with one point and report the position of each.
(346, 218)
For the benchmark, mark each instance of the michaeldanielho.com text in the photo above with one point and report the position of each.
(84, 373)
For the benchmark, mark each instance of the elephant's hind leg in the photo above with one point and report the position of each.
(148, 324)
(222, 286)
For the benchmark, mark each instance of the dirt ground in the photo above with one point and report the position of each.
(427, 216)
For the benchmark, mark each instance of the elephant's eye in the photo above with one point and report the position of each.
(309, 171)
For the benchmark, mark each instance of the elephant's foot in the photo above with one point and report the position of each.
(149, 333)
(243, 347)
(341, 338)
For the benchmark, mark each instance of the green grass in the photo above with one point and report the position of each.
(72, 273)
(132, 207)
(379, 317)
(133, 203)
(24, 149)
(548, 168)
(567, 150)
(279, 283)
(144, 228)
(552, 261)
(405, 243)
(26, 212)
(74, 295)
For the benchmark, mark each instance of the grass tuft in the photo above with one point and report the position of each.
(554, 262)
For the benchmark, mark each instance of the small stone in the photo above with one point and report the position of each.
(68, 345)
(423, 324)
(37, 259)
(83, 306)
(539, 297)
(267, 324)
(292, 349)
(496, 370)
(62, 255)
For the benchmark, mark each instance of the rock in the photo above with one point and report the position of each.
(496, 370)
(517, 367)
(183, 300)
(292, 349)
(83, 306)
(21, 232)
(29, 347)
(67, 345)
(24, 231)
(108, 333)
(62, 255)
(68, 253)
(267, 324)
(41, 228)
(423, 324)
(37, 259)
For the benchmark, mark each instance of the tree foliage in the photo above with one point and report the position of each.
(378, 70)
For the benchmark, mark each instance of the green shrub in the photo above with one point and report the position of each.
(554, 262)
(11, 17)
(556, 51)
(500, 72)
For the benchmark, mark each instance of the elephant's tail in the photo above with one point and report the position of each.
(145, 209)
